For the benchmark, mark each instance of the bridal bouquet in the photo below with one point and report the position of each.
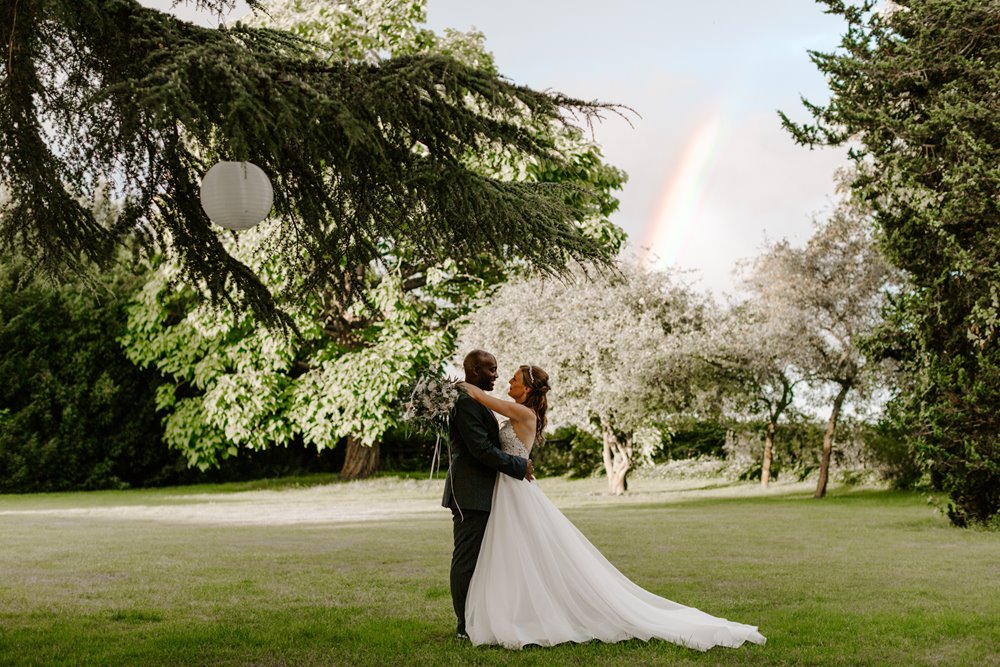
(430, 402)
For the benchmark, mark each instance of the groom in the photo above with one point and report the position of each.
(476, 458)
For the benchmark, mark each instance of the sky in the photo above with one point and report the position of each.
(712, 175)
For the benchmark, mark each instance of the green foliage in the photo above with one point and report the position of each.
(894, 457)
(237, 386)
(75, 413)
(568, 451)
(365, 153)
(693, 438)
(800, 439)
(913, 89)
(402, 450)
(859, 451)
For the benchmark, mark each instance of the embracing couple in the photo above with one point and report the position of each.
(521, 573)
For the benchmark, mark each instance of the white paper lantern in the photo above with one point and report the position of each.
(236, 195)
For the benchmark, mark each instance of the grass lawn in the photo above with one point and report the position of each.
(311, 571)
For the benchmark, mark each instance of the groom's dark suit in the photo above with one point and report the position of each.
(476, 457)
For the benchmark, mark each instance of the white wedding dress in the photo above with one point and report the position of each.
(540, 581)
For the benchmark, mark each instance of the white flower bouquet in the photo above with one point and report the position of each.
(428, 408)
(431, 401)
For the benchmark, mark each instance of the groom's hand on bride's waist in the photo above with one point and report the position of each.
(530, 474)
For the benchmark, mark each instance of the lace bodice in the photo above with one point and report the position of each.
(510, 443)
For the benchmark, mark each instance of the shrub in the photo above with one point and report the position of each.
(568, 451)
(76, 413)
(689, 439)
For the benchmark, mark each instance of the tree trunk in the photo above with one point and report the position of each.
(617, 482)
(831, 427)
(607, 436)
(765, 466)
(617, 459)
(359, 461)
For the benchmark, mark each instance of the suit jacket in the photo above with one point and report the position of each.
(476, 457)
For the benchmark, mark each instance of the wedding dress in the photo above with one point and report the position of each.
(538, 580)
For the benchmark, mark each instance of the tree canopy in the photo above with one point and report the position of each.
(365, 154)
(913, 92)
(619, 350)
(755, 349)
(834, 290)
(234, 384)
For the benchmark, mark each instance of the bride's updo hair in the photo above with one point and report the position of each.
(537, 380)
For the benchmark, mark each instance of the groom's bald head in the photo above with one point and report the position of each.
(480, 369)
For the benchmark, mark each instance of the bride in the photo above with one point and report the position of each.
(540, 581)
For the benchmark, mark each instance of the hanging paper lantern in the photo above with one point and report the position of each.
(236, 195)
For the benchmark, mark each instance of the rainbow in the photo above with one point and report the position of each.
(677, 208)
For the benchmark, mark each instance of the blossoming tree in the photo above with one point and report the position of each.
(617, 346)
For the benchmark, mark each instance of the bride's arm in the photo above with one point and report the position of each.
(508, 409)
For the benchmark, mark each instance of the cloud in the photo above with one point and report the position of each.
(761, 187)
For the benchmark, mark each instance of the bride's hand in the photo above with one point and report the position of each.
(473, 391)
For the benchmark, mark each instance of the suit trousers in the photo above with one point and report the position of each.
(469, 535)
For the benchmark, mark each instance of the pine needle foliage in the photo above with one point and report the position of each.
(914, 90)
(364, 156)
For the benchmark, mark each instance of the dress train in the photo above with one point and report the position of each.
(538, 580)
